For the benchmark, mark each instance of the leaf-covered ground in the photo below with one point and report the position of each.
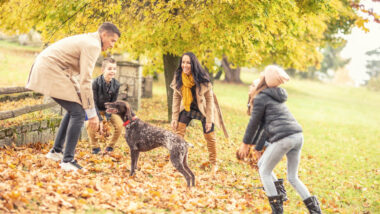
(22, 119)
(9, 105)
(339, 163)
(30, 182)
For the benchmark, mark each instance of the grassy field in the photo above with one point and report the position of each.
(15, 63)
(341, 154)
(339, 163)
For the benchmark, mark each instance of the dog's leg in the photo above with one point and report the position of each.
(134, 159)
(178, 164)
(188, 169)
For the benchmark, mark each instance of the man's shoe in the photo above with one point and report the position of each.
(73, 165)
(109, 149)
(55, 156)
(95, 150)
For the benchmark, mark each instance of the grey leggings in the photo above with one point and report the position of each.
(291, 147)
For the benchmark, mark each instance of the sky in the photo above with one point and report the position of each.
(359, 42)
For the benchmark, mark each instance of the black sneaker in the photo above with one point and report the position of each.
(109, 149)
(73, 165)
(95, 150)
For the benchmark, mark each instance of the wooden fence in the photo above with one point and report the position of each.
(24, 110)
(29, 131)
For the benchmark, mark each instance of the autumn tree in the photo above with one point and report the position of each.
(373, 69)
(250, 33)
(231, 71)
(373, 64)
(332, 59)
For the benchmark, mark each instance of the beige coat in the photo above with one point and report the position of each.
(54, 70)
(207, 104)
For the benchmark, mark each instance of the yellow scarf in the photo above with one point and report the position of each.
(188, 83)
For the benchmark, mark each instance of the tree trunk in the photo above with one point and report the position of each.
(218, 75)
(231, 75)
(170, 65)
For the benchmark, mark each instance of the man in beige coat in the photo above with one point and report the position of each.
(63, 71)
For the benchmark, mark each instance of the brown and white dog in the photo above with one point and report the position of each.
(142, 137)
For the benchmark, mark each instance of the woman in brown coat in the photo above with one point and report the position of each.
(193, 98)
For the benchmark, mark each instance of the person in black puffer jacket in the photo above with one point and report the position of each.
(283, 133)
(106, 89)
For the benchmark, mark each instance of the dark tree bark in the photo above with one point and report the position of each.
(170, 65)
(231, 75)
(218, 75)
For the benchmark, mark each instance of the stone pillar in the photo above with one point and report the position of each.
(147, 87)
(130, 77)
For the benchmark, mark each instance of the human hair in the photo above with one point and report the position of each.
(109, 27)
(257, 89)
(106, 61)
(199, 73)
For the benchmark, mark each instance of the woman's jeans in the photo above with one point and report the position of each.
(69, 129)
(291, 147)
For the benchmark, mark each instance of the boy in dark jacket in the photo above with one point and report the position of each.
(282, 132)
(105, 89)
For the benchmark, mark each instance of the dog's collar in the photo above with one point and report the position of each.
(128, 122)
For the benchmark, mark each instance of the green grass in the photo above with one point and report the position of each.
(340, 159)
(15, 63)
(16, 46)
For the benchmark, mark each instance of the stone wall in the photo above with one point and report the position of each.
(32, 132)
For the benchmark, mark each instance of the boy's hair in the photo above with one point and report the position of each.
(109, 27)
(106, 61)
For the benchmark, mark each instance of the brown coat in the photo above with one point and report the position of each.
(207, 104)
(54, 70)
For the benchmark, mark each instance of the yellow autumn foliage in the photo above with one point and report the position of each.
(251, 33)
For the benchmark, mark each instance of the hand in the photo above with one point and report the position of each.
(93, 123)
(208, 127)
(174, 125)
(258, 154)
(243, 151)
(101, 128)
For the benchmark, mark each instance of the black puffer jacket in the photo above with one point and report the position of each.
(269, 109)
(102, 94)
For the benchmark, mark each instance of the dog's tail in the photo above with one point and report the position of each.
(190, 145)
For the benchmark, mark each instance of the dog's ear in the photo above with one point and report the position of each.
(128, 112)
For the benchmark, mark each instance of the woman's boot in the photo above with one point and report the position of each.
(312, 205)
(276, 204)
(211, 146)
(181, 129)
(281, 189)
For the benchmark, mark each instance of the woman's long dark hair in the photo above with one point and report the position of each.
(199, 74)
